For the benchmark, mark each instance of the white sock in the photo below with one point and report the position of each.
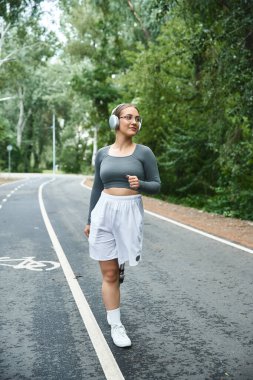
(113, 317)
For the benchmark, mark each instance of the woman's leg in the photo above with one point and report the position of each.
(111, 298)
(110, 285)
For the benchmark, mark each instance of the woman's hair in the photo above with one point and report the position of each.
(117, 111)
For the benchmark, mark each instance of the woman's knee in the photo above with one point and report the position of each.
(111, 275)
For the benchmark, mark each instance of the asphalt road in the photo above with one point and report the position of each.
(188, 306)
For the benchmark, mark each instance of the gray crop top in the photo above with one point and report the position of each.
(111, 171)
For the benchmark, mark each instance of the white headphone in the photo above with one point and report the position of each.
(114, 120)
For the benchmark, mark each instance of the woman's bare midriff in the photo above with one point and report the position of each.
(120, 191)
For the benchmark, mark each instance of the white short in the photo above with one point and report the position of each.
(116, 229)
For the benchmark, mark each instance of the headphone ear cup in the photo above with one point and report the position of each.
(113, 121)
(139, 126)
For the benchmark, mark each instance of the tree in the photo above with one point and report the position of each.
(25, 43)
(10, 11)
(198, 104)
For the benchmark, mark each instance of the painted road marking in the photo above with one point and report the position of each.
(29, 263)
(238, 246)
(105, 356)
(85, 186)
(11, 192)
(210, 236)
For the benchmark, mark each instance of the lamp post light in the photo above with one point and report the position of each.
(9, 149)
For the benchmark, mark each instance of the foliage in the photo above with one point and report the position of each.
(10, 11)
(186, 64)
(197, 106)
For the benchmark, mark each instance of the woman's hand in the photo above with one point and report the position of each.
(87, 230)
(133, 182)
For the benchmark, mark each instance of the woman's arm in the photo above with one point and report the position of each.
(152, 182)
(97, 187)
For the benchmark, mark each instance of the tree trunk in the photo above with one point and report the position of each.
(20, 124)
(137, 17)
(21, 119)
(4, 28)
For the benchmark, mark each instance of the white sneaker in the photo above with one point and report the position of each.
(119, 336)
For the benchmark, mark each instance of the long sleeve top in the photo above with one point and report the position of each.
(112, 171)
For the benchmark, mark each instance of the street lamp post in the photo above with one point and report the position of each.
(53, 127)
(95, 148)
(9, 149)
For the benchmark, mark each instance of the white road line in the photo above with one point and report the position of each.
(8, 195)
(86, 187)
(105, 356)
(210, 236)
(241, 247)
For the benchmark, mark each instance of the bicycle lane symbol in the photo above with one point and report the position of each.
(28, 263)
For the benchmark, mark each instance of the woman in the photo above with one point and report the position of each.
(122, 171)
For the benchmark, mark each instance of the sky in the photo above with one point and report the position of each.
(51, 18)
